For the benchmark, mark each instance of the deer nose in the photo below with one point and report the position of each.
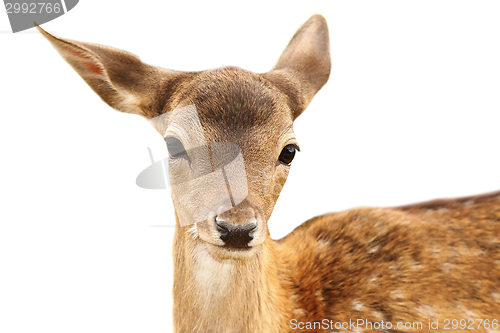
(235, 235)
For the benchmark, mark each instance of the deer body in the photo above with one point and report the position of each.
(418, 263)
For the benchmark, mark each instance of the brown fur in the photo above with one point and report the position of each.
(430, 261)
(402, 264)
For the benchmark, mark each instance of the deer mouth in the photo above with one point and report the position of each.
(230, 252)
(236, 248)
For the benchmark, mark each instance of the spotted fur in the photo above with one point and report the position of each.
(436, 260)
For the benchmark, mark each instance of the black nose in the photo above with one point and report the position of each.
(235, 235)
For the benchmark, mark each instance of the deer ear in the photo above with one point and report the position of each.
(304, 66)
(120, 78)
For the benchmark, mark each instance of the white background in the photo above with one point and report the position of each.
(411, 112)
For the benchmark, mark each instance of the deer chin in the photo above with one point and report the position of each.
(223, 252)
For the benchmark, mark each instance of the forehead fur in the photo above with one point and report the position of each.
(234, 100)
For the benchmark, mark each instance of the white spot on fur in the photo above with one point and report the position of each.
(469, 202)
(495, 296)
(426, 311)
(374, 249)
(492, 240)
(381, 226)
(454, 252)
(299, 312)
(468, 314)
(357, 305)
(348, 258)
(415, 265)
(471, 251)
(319, 295)
(447, 267)
(378, 315)
(323, 245)
(395, 269)
(397, 295)
(477, 252)
(373, 279)
(435, 250)
(358, 330)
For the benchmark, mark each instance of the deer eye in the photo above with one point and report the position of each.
(175, 147)
(287, 154)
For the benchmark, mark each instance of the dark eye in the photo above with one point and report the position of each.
(287, 154)
(175, 147)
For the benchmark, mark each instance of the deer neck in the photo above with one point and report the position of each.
(214, 295)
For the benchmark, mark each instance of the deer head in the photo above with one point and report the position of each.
(252, 114)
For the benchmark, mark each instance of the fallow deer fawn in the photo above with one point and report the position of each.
(426, 267)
